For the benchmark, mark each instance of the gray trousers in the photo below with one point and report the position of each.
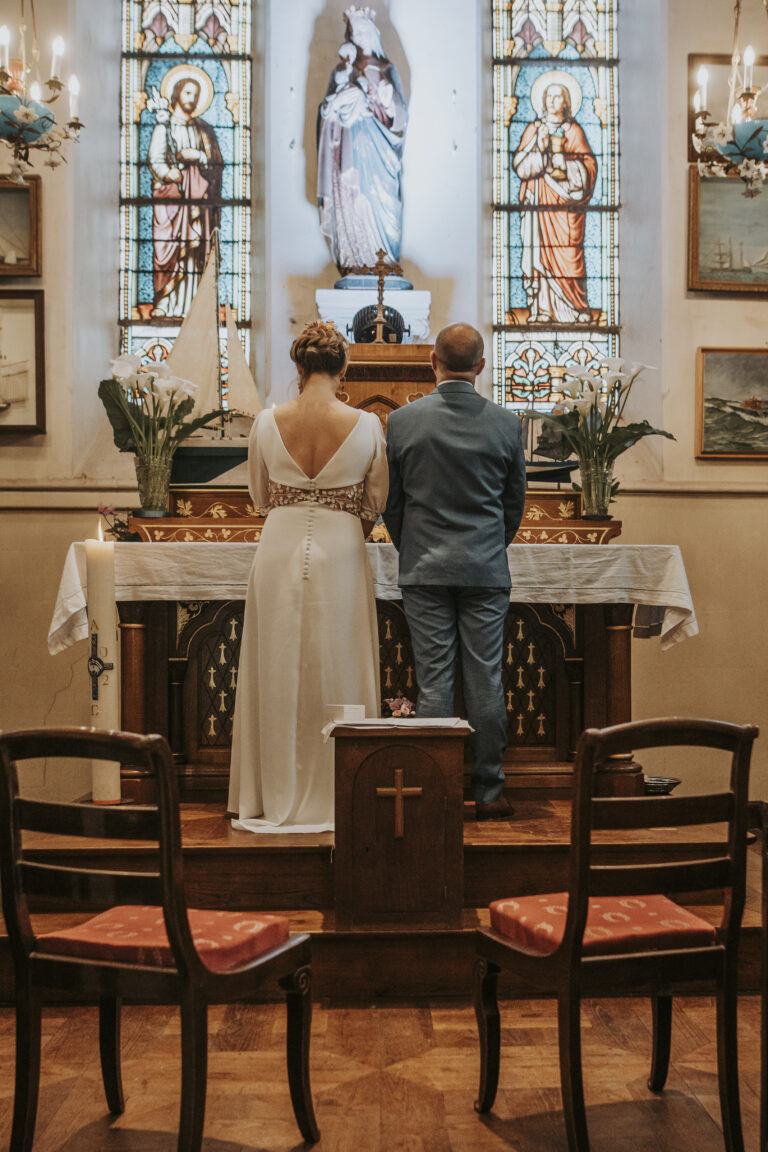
(444, 621)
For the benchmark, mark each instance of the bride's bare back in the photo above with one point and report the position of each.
(314, 427)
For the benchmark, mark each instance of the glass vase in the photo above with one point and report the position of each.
(153, 477)
(596, 482)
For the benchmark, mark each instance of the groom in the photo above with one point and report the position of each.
(456, 495)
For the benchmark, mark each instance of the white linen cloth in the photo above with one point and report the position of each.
(652, 576)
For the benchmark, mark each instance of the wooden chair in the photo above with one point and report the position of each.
(615, 931)
(148, 946)
(758, 810)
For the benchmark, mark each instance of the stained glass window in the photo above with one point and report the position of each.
(185, 163)
(556, 193)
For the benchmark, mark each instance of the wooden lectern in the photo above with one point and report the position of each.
(399, 849)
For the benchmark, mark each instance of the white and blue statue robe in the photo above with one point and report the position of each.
(360, 138)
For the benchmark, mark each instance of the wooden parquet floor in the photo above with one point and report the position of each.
(388, 1078)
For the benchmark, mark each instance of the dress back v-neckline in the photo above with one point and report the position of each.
(330, 459)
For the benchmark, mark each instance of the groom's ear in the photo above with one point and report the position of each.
(433, 362)
(480, 366)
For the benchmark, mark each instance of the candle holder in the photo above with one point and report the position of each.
(27, 123)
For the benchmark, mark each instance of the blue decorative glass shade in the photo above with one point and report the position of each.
(11, 127)
(747, 142)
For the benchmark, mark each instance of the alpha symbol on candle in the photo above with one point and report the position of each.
(96, 666)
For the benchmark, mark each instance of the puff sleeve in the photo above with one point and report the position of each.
(376, 481)
(258, 475)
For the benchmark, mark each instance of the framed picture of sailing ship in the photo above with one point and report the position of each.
(727, 236)
(20, 227)
(22, 369)
(732, 403)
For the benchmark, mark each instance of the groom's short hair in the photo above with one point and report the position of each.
(459, 347)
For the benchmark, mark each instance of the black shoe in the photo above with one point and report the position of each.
(499, 809)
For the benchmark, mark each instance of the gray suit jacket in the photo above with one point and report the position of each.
(456, 487)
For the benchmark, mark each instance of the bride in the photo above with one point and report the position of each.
(310, 639)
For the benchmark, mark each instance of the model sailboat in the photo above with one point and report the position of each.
(198, 355)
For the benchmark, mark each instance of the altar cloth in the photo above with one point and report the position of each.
(651, 576)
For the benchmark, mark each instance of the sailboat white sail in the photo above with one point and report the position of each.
(196, 353)
(242, 394)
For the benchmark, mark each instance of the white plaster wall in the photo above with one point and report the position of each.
(693, 319)
(437, 51)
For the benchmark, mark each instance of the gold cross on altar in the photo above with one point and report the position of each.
(399, 793)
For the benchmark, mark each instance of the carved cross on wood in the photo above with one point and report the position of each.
(399, 793)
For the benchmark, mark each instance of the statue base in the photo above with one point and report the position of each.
(370, 283)
(342, 304)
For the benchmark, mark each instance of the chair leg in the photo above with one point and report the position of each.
(28, 1023)
(571, 1080)
(728, 1060)
(194, 1071)
(298, 1003)
(109, 1051)
(661, 1008)
(488, 1028)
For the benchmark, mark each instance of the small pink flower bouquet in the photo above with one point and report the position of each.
(398, 706)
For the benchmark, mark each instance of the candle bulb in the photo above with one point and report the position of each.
(104, 659)
(702, 77)
(58, 51)
(35, 91)
(5, 40)
(74, 92)
(749, 60)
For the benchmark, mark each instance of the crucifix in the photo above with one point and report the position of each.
(382, 270)
(96, 666)
(399, 793)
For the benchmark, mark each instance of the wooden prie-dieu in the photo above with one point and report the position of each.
(565, 667)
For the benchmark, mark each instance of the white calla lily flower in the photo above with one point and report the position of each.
(124, 366)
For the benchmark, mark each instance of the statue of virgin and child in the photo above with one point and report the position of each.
(360, 137)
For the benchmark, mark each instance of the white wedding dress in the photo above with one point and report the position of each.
(310, 637)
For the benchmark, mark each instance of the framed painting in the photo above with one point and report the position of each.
(732, 403)
(718, 71)
(20, 227)
(727, 236)
(22, 368)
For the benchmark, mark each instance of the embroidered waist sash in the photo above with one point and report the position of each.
(349, 499)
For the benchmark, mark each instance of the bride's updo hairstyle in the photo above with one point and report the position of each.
(320, 348)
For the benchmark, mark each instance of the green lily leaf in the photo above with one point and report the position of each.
(112, 397)
(185, 430)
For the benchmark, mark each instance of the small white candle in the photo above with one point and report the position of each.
(697, 102)
(102, 622)
(58, 51)
(749, 60)
(74, 92)
(5, 40)
(35, 91)
(702, 77)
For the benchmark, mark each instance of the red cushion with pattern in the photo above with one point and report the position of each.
(614, 925)
(135, 934)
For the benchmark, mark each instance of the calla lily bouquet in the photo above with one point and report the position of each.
(588, 420)
(149, 409)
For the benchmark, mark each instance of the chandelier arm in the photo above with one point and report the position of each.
(733, 75)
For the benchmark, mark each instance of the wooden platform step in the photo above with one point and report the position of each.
(229, 868)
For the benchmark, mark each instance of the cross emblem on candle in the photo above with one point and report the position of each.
(96, 666)
(399, 793)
